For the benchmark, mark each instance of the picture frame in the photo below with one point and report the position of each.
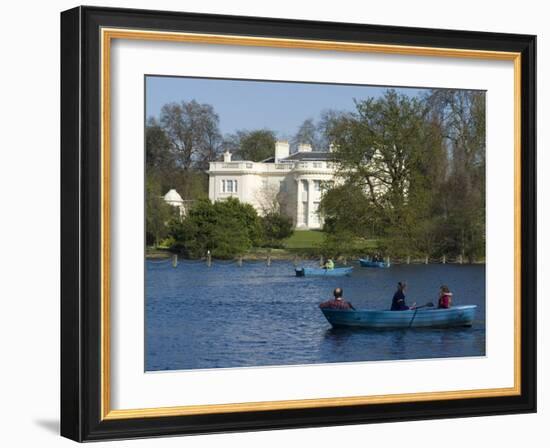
(86, 37)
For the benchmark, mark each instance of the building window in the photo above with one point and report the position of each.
(317, 184)
(229, 186)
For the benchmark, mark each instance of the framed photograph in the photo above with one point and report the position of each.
(273, 223)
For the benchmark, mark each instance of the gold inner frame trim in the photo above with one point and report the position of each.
(107, 35)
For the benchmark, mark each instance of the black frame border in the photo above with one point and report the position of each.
(81, 223)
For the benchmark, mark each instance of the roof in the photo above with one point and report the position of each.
(310, 155)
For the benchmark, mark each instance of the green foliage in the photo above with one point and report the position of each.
(347, 210)
(225, 228)
(255, 145)
(414, 172)
(276, 228)
(338, 243)
(158, 213)
(158, 154)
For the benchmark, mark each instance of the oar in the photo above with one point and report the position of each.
(428, 305)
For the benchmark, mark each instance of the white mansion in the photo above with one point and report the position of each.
(292, 182)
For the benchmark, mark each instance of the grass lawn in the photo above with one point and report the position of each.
(305, 239)
(308, 239)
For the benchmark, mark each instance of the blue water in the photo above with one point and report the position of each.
(229, 316)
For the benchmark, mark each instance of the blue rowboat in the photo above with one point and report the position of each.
(368, 263)
(336, 272)
(457, 316)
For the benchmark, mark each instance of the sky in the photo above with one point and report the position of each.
(249, 105)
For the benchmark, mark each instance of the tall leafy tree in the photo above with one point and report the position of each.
(254, 145)
(193, 131)
(461, 115)
(392, 160)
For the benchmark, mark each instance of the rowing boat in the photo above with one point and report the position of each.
(458, 316)
(336, 272)
(368, 263)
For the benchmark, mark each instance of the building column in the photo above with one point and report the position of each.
(299, 208)
(310, 187)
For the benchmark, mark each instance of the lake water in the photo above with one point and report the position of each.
(229, 316)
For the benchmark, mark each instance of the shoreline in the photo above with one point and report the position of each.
(296, 256)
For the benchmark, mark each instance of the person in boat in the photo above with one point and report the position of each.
(338, 302)
(445, 297)
(398, 303)
(329, 264)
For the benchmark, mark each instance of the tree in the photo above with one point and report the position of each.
(276, 228)
(390, 158)
(346, 209)
(193, 131)
(158, 214)
(319, 135)
(255, 145)
(308, 133)
(226, 228)
(461, 115)
(338, 243)
(158, 154)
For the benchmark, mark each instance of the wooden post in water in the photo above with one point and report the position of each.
(175, 261)
(408, 259)
(345, 261)
(321, 260)
(444, 260)
(208, 259)
(388, 260)
(295, 262)
(240, 260)
(268, 261)
(426, 260)
(460, 261)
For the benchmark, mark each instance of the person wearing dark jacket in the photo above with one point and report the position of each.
(338, 303)
(398, 303)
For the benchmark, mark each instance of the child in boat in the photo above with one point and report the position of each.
(445, 297)
(329, 264)
(338, 303)
(398, 302)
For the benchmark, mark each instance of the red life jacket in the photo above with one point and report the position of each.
(445, 300)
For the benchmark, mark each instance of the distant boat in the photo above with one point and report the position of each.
(457, 316)
(306, 272)
(368, 263)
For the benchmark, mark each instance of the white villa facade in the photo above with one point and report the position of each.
(295, 182)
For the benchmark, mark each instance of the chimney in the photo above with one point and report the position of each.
(282, 150)
(227, 156)
(304, 147)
